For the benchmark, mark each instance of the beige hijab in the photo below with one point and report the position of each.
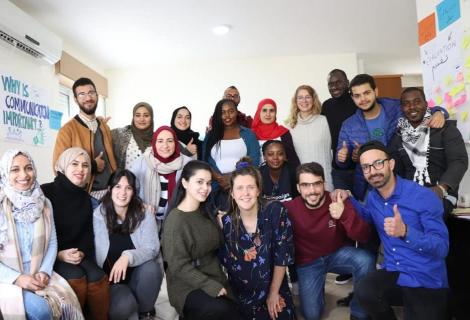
(70, 155)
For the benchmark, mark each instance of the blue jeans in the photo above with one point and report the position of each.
(36, 307)
(312, 277)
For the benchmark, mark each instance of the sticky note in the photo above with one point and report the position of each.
(447, 97)
(438, 100)
(464, 115)
(431, 103)
(461, 100)
(448, 80)
(437, 89)
(427, 29)
(55, 119)
(467, 78)
(466, 41)
(459, 77)
(455, 90)
(452, 112)
(448, 11)
(467, 62)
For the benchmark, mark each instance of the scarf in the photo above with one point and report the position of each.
(266, 131)
(416, 144)
(184, 135)
(69, 155)
(142, 137)
(58, 294)
(27, 205)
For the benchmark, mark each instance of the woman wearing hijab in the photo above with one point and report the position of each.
(190, 145)
(28, 247)
(158, 170)
(266, 128)
(73, 217)
(131, 141)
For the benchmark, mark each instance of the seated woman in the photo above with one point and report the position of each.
(197, 286)
(159, 169)
(266, 128)
(258, 248)
(73, 217)
(127, 245)
(28, 247)
(131, 141)
(224, 145)
(190, 145)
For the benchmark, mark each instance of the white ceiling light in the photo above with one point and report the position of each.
(221, 30)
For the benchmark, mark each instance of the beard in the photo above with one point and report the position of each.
(90, 111)
(317, 203)
(371, 106)
(379, 183)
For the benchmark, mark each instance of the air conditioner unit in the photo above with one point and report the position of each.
(26, 34)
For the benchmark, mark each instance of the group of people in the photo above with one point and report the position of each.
(240, 220)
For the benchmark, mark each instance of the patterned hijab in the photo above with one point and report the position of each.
(70, 155)
(27, 205)
(142, 137)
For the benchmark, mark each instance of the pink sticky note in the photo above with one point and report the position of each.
(459, 77)
(461, 100)
(447, 97)
(431, 103)
(437, 89)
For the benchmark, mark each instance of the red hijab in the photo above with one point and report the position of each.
(171, 177)
(266, 131)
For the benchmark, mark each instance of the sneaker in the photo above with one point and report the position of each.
(343, 278)
(295, 288)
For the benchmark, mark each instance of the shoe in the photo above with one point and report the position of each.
(344, 302)
(343, 278)
(295, 288)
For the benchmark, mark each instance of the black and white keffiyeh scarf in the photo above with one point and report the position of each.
(416, 144)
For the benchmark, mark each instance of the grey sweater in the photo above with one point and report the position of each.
(190, 241)
(144, 238)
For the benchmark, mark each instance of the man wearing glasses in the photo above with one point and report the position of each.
(87, 132)
(409, 220)
(322, 229)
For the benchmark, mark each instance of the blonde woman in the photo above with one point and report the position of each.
(310, 131)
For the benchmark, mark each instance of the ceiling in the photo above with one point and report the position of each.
(119, 34)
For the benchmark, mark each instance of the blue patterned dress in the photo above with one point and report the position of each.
(250, 260)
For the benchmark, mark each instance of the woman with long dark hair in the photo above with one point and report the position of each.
(197, 286)
(127, 245)
(190, 145)
(258, 248)
(73, 217)
(225, 144)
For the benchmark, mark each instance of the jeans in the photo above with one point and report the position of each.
(36, 307)
(312, 277)
(199, 305)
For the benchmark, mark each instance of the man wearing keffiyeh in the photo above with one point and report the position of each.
(436, 158)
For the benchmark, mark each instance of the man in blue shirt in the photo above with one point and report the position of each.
(409, 220)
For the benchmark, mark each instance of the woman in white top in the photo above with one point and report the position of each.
(310, 131)
(131, 141)
(225, 144)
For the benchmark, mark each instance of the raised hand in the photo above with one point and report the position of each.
(191, 147)
(343, 153)
(355, 152)
(337, 208)
(100, 162)
(394, 226)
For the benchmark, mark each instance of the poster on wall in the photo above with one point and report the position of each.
(25, 112)
(445, 59)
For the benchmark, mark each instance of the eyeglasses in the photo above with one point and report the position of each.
(377, 164)
(82, 95)
(305, 98)
(315, 185)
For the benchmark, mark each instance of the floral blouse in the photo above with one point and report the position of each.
(250, 259)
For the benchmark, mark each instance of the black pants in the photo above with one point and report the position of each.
(87, 268)
(199, 305)
(378, 291)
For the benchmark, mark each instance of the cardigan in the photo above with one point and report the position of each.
(144, 238)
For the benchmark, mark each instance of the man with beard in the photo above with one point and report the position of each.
(322, 229)
(437, 159)
(87, 132)
(409, 219)
(375, 119)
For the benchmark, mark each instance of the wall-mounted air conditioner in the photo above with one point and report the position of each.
(26, 34)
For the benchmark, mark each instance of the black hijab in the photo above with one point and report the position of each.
(184, 135)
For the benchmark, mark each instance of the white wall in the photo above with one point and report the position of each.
(41, 76)
(199, 85)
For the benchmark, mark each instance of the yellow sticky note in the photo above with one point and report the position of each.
(448, 80)
(467, 62)
(466, 41)
(464, 115)
(455, 90)
(467, 78)
(438, 100)
(452, 112)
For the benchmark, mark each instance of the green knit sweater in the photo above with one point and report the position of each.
(190, 241)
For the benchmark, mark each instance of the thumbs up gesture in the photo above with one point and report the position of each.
(355, 151)
(394, 226)
(100, 162)
(337, 207)
(191, 147)
(343, 153)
